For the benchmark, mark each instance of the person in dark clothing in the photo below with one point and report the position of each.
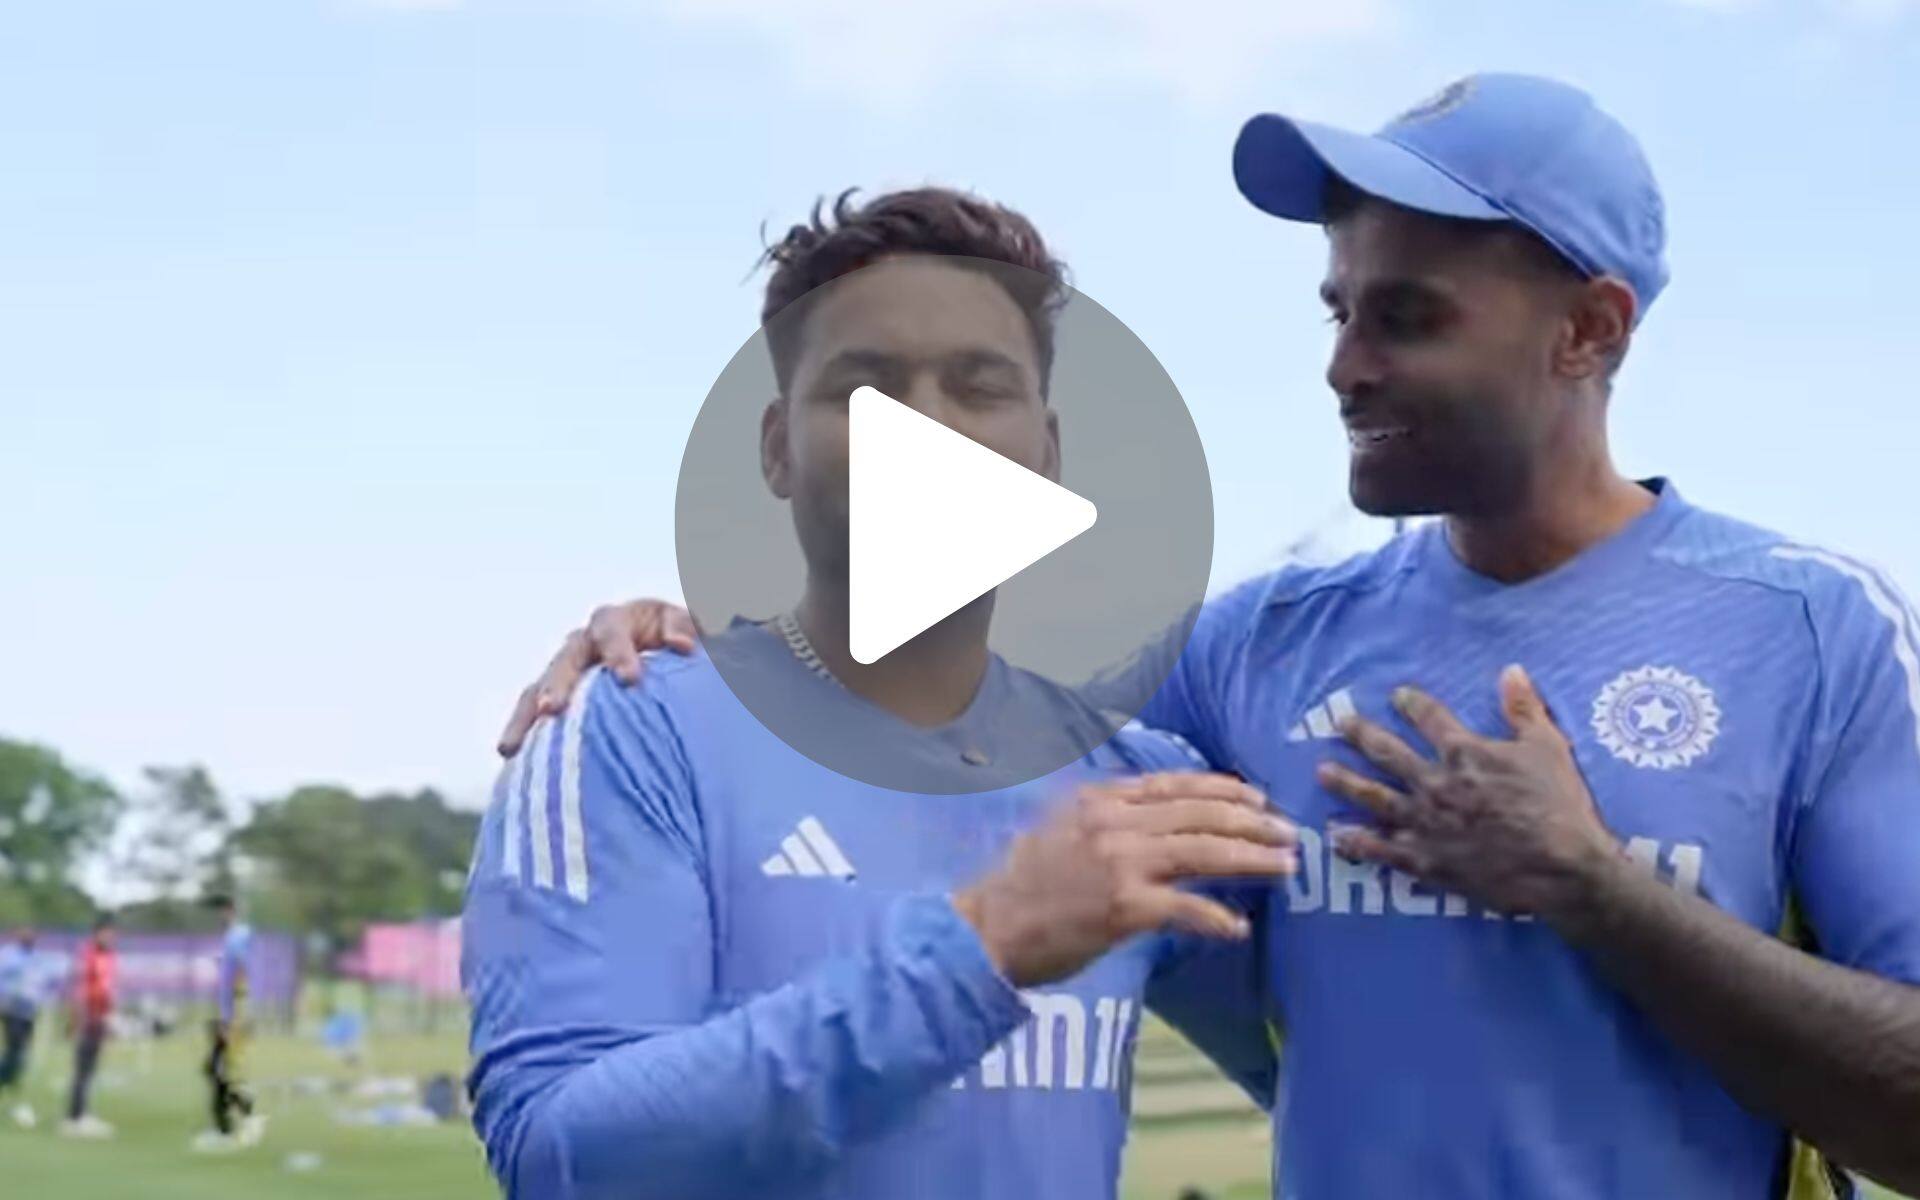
(23, 979)
(227, 1038)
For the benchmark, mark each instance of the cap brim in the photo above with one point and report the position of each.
(1282, 165)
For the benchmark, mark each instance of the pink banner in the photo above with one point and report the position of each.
(424, 955)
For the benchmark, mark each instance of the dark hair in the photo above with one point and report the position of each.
(841, 239)
(1340, 200)
(218, 901)
(103, 921)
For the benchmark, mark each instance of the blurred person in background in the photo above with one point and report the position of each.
(94, 977)
(23, 982)
(228, 1033)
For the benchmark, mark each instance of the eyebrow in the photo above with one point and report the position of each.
(858, 358)
(1389, 290)
(971, 358)
(979, 358)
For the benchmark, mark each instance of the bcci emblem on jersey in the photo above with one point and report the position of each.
(1656, 717)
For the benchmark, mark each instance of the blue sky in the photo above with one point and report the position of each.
(347, 347)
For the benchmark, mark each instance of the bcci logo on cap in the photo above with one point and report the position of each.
(1656, 717)
(1440, 104)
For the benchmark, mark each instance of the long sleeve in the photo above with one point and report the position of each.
(602, 1066)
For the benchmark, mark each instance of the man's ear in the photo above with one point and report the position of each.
(776, 454)
(1599, 326)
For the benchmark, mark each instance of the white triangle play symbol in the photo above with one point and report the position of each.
(935, 520)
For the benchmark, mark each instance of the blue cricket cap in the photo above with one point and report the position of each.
(1518, 148)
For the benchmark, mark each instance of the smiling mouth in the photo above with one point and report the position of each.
(1378, 436)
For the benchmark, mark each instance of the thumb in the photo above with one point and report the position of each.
(1526, 712)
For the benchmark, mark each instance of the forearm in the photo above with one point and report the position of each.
(1831, 1052)
(778, 1088)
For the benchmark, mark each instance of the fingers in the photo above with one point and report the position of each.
(562, 673)
(549, 694)
(1185, 802)
(1434, 720)
(616, 633)
(1366, 845)
(1187, 785)
(678, 631)
(620, 633)
(1383, 749)
(1526, 712)
(1209, 856)
(1389, 804)
(525, 713)
(1199, 915)
(1212, 817)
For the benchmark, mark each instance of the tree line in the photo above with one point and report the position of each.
(319, 861)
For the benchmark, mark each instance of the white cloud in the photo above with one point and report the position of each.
(890, 49)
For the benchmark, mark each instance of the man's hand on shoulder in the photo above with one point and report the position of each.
(615, 636)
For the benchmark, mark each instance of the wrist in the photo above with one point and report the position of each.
(1591, 893)
(973, 905)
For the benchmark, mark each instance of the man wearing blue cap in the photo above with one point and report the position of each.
(1531, 948)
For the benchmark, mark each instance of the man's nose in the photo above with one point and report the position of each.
(1354, 369)
(924, 395)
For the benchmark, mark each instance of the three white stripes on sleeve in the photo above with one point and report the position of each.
(530, 796)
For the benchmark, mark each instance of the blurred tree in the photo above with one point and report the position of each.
(52, 905)
(51, 816)
(321, 860)
(439, 839)
(175, 846)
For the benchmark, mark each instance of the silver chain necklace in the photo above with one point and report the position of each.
(802, 646)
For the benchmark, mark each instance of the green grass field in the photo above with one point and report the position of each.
(1191, 1129)
(155, 1097)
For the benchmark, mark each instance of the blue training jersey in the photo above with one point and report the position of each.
(700, 964)
(1743, 709)
(230, 977)
(26, 978)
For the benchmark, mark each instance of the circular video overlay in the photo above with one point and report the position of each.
(946, 525)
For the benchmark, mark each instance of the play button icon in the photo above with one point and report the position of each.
(935, 520)
(945, 524)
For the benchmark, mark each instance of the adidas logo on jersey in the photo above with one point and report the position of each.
(808, 850)
(1323, 719)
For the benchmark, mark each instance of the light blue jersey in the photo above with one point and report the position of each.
(1743, 709)
(230, 980)
(702, 965)
(27, 980)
